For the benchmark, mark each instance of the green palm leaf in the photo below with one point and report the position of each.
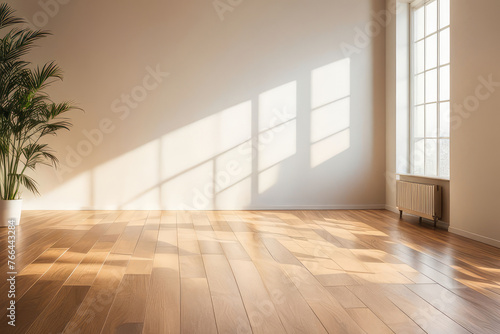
(7, 17)
(26, 112)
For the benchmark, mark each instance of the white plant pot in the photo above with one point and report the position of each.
(10, 209)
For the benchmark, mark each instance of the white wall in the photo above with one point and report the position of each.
(397, 97)
(475, 138)
(230, 80)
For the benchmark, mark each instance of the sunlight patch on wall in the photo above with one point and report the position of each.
(330, 111)
(330, 119)
(66, 196)
(233, 166)
(327, 148)
(233, 170)
(268, 178)
(330, 83)
(277, 138)
(204, 139)
(235, 196)
(208, 159)
(193, 189)
(130, 180)
(277, 144)
(277, 106)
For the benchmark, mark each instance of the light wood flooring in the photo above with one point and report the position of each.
(247, 272)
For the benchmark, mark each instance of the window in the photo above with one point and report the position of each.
(430, 88)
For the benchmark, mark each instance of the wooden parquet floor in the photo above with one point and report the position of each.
(246, 272)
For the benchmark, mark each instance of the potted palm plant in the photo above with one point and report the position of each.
(27, 115)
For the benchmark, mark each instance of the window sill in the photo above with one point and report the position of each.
(425, 177)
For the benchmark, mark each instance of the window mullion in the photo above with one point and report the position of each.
(413, 78)
(425, 90)
(419, 22)
(438, 142)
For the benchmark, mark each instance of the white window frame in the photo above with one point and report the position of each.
(413, 7)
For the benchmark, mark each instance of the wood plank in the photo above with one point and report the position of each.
(197, 314)
(87, 270)
(29, 307)
(228, 307)
(234, 251)
(329, 311)
(57, 314)
(294, 312)
(107, 241)
(44, 290)
(92, 313)
(373, 297)
(31, 273)
(126, 316)
(163, 306)
(475, 318)
(128, 239)
(90, 238)
(261, 311)
(425, 315)
(345, 297)
(368, 321)
(63, 267)
(141, 262)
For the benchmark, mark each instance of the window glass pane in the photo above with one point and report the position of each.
(444, 119)
(431, 120)
(430, 18)
(419, 56)
(444, 13)
(444, 83)
(418, 157)
(431, 86)
(419, 88)
(419, 122)
(444, 157)
(418, 25)
(430, 128)
(431, 157)
(431, 52)
(444, 46)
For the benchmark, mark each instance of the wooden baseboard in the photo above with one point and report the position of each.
(474, 236)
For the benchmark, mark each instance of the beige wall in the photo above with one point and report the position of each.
(475, 138)
(271, 75)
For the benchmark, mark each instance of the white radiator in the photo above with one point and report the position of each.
(419, 199)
